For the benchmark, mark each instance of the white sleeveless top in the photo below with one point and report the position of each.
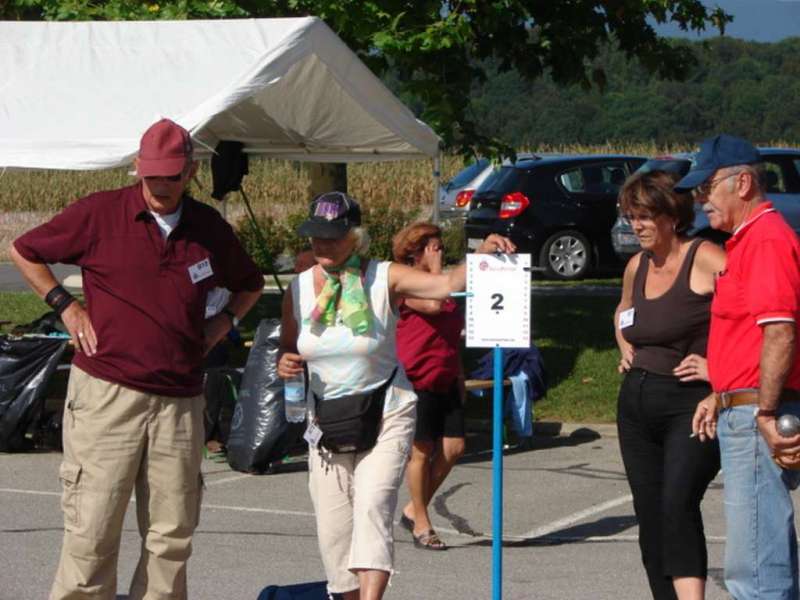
(341, 363)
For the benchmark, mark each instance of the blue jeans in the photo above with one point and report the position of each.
(761, 551)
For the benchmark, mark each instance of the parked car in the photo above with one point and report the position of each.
(783, 189)
(560, 209)
(454, 196)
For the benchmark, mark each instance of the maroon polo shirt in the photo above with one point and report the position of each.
(146, 310)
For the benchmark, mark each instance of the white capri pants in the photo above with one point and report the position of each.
(355, 498)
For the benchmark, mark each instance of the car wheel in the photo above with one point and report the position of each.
(566, 255)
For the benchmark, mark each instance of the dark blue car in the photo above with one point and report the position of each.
(783, 189)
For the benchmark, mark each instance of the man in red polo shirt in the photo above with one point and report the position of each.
(754, 368)
(149, 254)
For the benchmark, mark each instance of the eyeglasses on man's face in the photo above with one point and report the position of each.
(704, 189)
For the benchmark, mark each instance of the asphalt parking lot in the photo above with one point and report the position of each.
(569, 529)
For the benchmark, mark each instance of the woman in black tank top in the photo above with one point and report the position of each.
(661, 327)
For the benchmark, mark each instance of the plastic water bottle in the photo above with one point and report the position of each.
(294, 395)
(788, 425)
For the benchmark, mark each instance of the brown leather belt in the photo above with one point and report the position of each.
(741, 398)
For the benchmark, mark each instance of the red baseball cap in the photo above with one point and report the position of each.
(164, 150)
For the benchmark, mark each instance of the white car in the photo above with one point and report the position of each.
(454, 196)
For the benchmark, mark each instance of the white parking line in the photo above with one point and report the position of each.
(270, 511)
(208, 483)
(33, 492)
(228, 479)
(535, 533)
(543, 531)
(575, 517)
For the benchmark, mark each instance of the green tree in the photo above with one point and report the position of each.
(439, 48)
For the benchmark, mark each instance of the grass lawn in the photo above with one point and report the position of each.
(21, 307)
(576, 338)
(574, 334)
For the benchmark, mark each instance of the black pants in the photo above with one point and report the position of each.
(668, 473)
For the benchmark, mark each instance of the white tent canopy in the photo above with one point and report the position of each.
(79, 95)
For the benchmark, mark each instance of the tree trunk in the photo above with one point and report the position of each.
(326, 177)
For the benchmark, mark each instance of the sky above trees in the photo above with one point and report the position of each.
(757, 20)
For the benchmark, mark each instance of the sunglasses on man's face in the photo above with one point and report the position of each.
(170, 178)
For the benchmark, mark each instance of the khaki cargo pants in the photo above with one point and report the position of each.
(117, 439)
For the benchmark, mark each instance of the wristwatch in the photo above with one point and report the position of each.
(766, 412)
(232, 315)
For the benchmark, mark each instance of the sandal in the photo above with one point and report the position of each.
(429, 541)
(407, 522)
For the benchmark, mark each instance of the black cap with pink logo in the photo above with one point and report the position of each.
(331, 216)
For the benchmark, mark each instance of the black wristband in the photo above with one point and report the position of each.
(65, 302)
(52, 297)
(59, 299)
(232, 316)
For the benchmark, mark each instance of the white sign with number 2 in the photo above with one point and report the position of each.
(498, 300)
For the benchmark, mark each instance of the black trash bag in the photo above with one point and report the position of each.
(49, 323)
(220, 391)
(26, 366)
(259, 433)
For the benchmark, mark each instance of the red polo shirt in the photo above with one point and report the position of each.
(427, 346)
(146, 310)
(760, 285)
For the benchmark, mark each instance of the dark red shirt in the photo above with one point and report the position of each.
(144, 307)
(760, 285)
(427, 346)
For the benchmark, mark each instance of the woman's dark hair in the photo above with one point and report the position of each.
(412, 240)
(652, 193)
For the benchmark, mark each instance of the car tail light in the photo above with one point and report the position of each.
(513, 204)
(463, 197)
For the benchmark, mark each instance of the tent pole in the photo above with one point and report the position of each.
(437, 184)
(260, 236)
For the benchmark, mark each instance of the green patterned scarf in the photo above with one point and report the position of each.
(343, 294)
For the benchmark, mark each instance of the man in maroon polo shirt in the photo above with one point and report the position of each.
(149, 254)
(754, 368)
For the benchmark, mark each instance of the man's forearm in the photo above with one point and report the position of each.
(38, 275)
(241, 302)
(777, 358)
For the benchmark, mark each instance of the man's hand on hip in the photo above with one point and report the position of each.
(77, 322)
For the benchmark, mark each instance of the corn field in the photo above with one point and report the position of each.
(278, 190)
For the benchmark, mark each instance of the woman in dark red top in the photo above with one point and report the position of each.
(428, 338)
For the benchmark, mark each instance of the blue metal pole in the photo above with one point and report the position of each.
(497, 478)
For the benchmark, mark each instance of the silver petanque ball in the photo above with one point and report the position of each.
(788, 425)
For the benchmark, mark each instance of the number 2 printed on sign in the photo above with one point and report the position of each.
(498, 302)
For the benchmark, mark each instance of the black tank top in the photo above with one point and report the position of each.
(668, 328)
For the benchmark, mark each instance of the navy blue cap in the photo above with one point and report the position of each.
(715, 153)
(331, 216)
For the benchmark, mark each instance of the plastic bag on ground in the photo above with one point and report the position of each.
(259, 432)
(26, 365)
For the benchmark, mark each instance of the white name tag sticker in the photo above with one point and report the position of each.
(626, 318)
(313, 434)
(200, 271)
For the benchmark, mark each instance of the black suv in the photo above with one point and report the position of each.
(560, 209)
